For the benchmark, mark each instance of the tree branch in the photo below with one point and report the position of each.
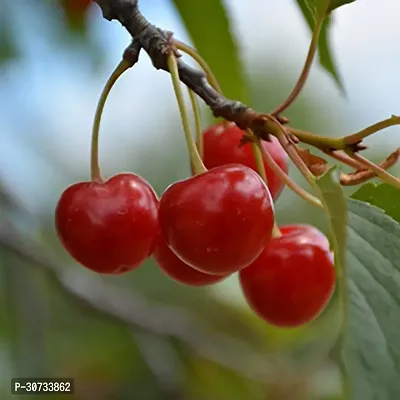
(157, 44)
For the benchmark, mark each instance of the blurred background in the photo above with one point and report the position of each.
(140, 335)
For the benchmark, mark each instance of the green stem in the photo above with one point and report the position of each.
(277, 129)
(200, 60)
(370, 130)
(123, 66)
(258, 157)
(320, 142)
(197, 163)
(197, 123)
(290, 183)
(307, 65)
(344, 158)
(379, 172)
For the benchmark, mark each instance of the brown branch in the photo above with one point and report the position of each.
(157, 44)
(364, 174)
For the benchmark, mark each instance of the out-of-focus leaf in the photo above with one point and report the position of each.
(326, 58)
(207, 380)
(208, 26)
(8, 47)
(338, 3)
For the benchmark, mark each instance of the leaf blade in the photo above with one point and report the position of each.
(216, 43)
(372, 347)
(383, 196)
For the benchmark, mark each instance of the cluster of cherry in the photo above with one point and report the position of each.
(204, 229)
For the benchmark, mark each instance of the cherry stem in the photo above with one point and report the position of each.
(306, 68)
(200, 60)
(258, 157)
(123, 66)
(370, 130)
(275, 127)
(379, 172)
(197, 122)
(320, 142)
(344, 158)
(195, 159)
(363, 174)
(290, 183)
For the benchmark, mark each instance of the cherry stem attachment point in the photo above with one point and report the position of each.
(197, 122)
(370, 130)
(290, 183)
(195, 159)
(200, 60)
(306, 68)
(123, 66)
(379, 171)
(275, 127)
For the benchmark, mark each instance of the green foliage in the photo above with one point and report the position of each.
(372, 346)
(383, 195)
(207, 22)
(335, 204)
(108, 355)
(8, 46)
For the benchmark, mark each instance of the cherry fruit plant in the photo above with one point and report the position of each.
(221, 221)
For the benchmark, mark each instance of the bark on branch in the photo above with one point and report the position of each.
(157, 44)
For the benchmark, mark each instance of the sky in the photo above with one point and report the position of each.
(48, 100)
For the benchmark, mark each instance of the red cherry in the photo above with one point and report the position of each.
(179, 271)
(222, 146)
(109, 227)
(76, 7)
(220, 221)
(293, 279)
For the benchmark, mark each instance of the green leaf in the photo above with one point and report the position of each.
(208, 26)
(309, 10)
(8, 46)
(335, 203)
(372, 345)
(384, 196)
(333, 4)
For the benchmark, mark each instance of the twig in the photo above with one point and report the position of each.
(158, 44)
(377, 170)
(364, 174)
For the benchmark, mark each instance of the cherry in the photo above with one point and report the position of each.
(76, 7)
(293, 279)
(219, 221)
(179, 271)
(109, 227)
(222, 146)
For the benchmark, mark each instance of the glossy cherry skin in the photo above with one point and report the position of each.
(109, 227)
(218, 222)
(293, 279)
(222, 146)
(179, 271)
